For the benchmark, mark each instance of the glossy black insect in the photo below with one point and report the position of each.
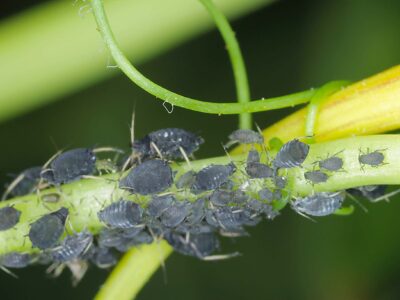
(169, 142)
(332, 163)
(150, 177)
(15, 260)
(246, 136)
(373, 159)
(371, 192)
(70, 166)
(9, 217)
(158, 204)
(253, 157)
(316, 177)
(25, 183)
(259, 170)
(212, 177)
(121, 214)
(186, 180)
(319, 204)
(72, 247)
(46, 231)
(197, 245)
(292, 154)
(175, 214)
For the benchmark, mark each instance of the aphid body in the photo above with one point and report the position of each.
(26, 182)
(333, 164)
(70, 166)
(246, 136)
(316, 176)
(212, 177)
(168, 141)
(253, 157)
(9, 217)
(319, 204)
(259, 170)
(186, 180)
(121, 214)
(72, 247)
(292, 154)
(15, 260)
(373, 159)
(198, 245)
(150, 177)
(46, 231)
(175, 214)
(159, 204)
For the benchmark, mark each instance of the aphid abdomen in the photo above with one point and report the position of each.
(319, 204)
(158, 204)
(212, 177)
(175, 214)
(198, 245)
(292, 154)
(259, 170)
(15, 260)
(316, 176)
(28, 183)
(9, 217)
(373, 159)
(121, 214)
(46, 231)
(150, 177)
(246, 136)
(331, 164)
(186, 180)
(72, 247)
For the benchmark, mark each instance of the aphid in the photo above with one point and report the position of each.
(316, 176)
(221, 197)
(280, 182)
(319, 204)
(292, 154)
(259, 170)
(265, 195)
(70, 166)
(197, 212)
(212, 177)
(175, 214)
(72, 247)
(9, 217)
(186, 180)
(198, 245)
(25, 183)
(121, 214)
(15, 260)
(253, 157)
(46, 231)
(333, 163)
(373, 159)
(371, 192)
(169, 142)
(108, 238)
(246, 136)
(150, 177)
(103, 257)
(142, 238)
(158, 204)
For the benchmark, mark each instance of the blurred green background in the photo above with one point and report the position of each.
(288, 46)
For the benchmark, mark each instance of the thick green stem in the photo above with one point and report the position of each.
(165, 95)
(237, 61)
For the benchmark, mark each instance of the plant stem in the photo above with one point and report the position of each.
(174, 99)
(237, 61)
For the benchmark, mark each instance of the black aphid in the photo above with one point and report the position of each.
(196, 212)
(333, 163)
(70, 166)
(371, 192)
(256, 207)
(168, 142)
(46, 231)
(72, 247)
(246, 136)
(212, 177)
(319, 204)
(292, 154)
(259, 170)
(25, 183)
(373, 159)
(108, 238)
(221, 197)
(175, 214)
(316, 176)
(15, 260)
(186, 180)
(198, 245)
(150, 177)
(121, 214)
(159, 204)
(142, 237)
(266, 195)
(103, 257)
(9, 217)
(253, 157)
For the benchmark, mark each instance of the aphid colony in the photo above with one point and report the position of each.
(216, 202)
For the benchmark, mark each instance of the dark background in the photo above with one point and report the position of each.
(288, 46)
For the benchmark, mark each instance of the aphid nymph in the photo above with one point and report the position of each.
(292, 154)
(373, 159)
(9, 217)
(319, 204)
(212, 177)
(245, 136)
(316, 177)
(121, 214)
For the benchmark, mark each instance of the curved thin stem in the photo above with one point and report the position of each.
(175, 99)
(236, 57)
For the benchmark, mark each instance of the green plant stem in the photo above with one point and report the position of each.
(174, 99)
(237, 61)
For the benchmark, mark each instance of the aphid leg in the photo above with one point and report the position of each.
(7, 271)
(319, 97)
(387, 196)
(154, 146)
(185, 157)
(355, 200)
(12, 185)
(220, 256)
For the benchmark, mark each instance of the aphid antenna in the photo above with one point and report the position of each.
(387, 196)
(263, 144)
(107, 149)
(12, 185)
(152, 144)
(355, 200)
(184, 154)
(220, 256)
(7, 271)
